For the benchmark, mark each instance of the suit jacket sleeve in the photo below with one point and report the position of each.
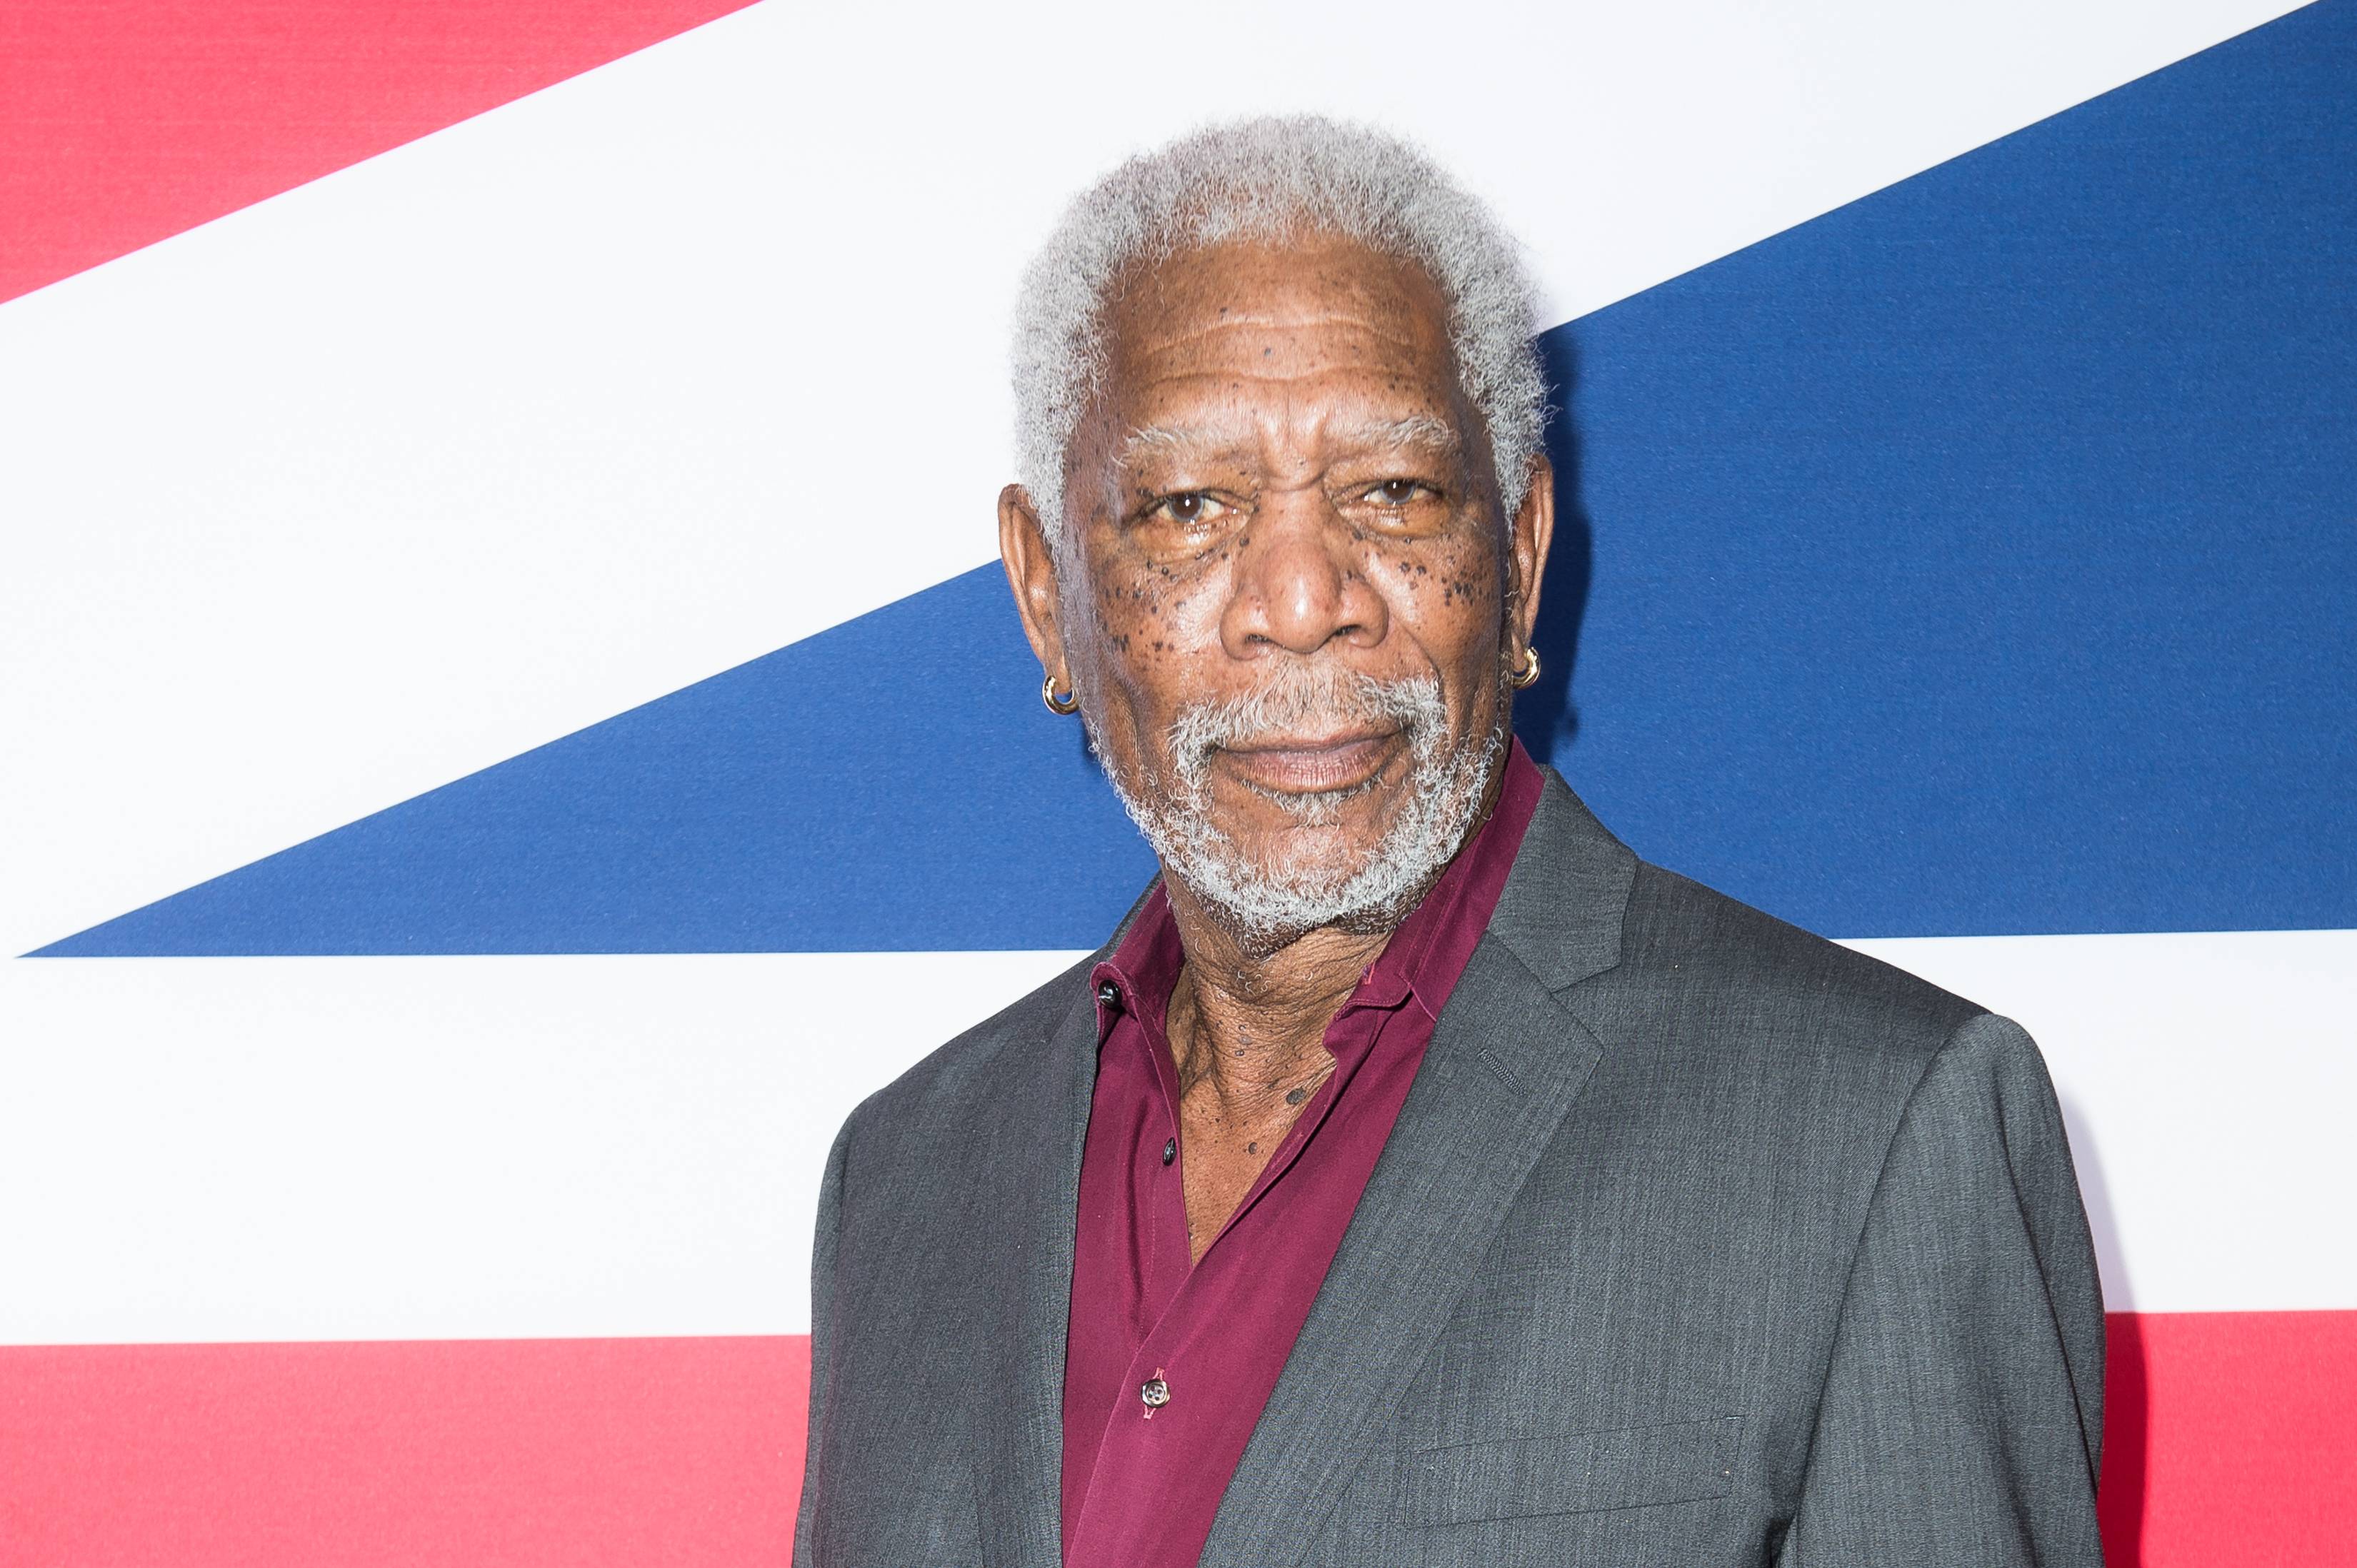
(826, 1232)
(1962, 1415)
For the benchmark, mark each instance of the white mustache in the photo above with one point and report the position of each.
(1297, 697)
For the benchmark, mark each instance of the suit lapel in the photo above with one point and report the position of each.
(1566, 900)
(1505, 1064)
(1020, 1457)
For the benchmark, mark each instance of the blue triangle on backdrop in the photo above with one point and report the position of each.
(1973, 559)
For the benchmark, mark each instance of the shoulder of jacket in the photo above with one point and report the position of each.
(1681, 933)
(1989, 1063)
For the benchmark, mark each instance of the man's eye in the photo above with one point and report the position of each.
(1188, 507)
(1396, 492)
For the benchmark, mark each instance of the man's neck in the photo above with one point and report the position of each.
(1248, 1025)
(1247, 1035)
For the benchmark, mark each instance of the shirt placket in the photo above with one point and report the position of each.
(1155, 1382)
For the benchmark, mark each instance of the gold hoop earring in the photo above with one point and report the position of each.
(1070, 703)
(1527, 673)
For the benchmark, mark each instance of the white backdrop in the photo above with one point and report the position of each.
(406, 472)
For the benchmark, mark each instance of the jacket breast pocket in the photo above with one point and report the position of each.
(1580, 1472)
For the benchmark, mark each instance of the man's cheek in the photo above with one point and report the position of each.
(1182, 616)
(1463, 583)
(1420, 585)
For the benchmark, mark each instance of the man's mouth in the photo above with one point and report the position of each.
(1310, 765)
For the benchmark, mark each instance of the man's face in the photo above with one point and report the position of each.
(1283, 599)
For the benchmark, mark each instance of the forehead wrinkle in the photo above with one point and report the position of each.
(1399, 331)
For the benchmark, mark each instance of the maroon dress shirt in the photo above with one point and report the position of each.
(1168, 1362)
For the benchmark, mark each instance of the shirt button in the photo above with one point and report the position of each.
(1154, 1392)
(1109, 994)
(1169, 1151)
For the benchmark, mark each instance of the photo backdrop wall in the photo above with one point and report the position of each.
(514, 726)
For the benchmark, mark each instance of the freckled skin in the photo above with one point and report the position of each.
(1294, 506)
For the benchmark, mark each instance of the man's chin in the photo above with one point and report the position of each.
(1318, 865)
(1296, 853)
(1315, 898)
(1272, 868)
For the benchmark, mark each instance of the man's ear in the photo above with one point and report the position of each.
(1031, 572)
(1529, 532)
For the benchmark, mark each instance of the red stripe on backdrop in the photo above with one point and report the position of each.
(122, 121)
(2230, 1440)
(2232, 1444)
(575, 1452)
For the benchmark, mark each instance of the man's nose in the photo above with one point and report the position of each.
(1297, 585)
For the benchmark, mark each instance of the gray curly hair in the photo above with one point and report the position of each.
(1269, 179)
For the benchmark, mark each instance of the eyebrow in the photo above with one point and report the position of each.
(1415, 430)
(1161, 438)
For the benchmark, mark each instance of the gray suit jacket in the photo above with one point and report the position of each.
(1699, 1240)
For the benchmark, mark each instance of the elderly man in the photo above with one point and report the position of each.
(1416, 1177)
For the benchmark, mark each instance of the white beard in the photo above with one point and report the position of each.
(1269, 905)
